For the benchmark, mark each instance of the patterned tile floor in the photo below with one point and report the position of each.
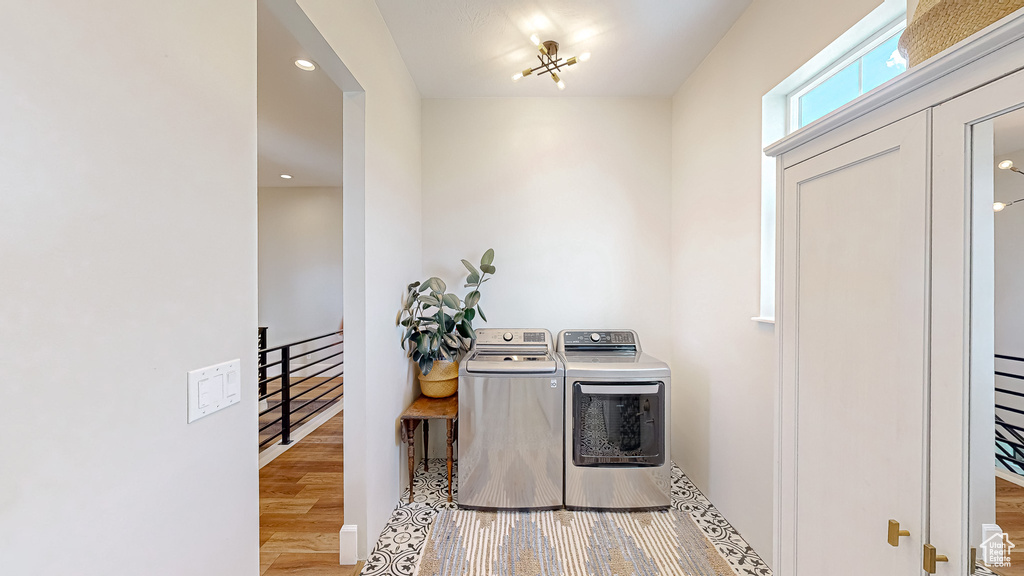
(401, 541)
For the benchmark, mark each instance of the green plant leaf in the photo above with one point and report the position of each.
(472, 298)
(429, 300)
(470, 314)
(458, 318)
(415, 355)
(426, 364)
(451, 301)
(472, 269)
(398, 318)
(451, 341)
(436, 284)
(423, 345)
(487, 268)
(466, 329)
(487, 258)
(473, 278)
(481, 311)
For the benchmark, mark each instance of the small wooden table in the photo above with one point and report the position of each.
(422, 410)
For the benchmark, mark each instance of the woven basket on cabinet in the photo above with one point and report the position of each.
(938, 24)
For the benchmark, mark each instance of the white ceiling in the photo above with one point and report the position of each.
(471, 48)
(299, 113)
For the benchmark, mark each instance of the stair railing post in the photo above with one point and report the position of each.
(286, 396)
(262, 369)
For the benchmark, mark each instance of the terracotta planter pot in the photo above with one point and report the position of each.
(443, 380)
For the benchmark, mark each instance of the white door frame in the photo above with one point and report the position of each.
(352, 542)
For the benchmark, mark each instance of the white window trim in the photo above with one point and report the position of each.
(858, 52)
(776, 119)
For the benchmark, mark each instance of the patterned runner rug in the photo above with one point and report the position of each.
(403, 541)
(568, 543)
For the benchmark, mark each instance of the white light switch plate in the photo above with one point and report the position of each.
(213, 388)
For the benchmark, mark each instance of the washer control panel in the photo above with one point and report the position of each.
(513, 336)
(610, 338)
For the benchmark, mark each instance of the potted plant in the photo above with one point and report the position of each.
(438, 327)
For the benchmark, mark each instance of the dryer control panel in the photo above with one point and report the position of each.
(598, 339)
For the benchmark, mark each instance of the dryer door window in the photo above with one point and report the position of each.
(618, 424)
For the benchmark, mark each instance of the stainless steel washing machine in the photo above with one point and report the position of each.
(617, 403)
(510, 422)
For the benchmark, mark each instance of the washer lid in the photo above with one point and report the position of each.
(510, 363)
(630, 366)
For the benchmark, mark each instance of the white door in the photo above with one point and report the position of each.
(853, 341)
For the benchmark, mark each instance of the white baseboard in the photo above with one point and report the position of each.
(1010, 476)
(348, 541)
(275, 450)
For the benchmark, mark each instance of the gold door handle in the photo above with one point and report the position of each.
(930, 558)
(895, 533)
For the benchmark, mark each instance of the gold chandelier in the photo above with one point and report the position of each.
(550, 62)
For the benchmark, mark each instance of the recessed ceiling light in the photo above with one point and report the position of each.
(307, 65)
(286, 176)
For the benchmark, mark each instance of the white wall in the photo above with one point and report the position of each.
(572, 194)
(300, 262)
(724, 363)
(128, 226)
(1009, 226)
(382, 248)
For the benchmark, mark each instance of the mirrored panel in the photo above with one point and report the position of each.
(997, 384)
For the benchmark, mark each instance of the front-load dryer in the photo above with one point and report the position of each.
(617, 403)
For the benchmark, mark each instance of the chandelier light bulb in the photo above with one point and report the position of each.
(1006, 165)
(517, 76)
(998, 207)
(583, 57)
(561, 85)
(535, 39)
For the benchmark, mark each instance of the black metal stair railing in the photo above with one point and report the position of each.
(1010, 436)
(290, 362)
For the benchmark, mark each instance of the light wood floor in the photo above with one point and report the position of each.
(296, 390)
(1010, 517)
(302, 507)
